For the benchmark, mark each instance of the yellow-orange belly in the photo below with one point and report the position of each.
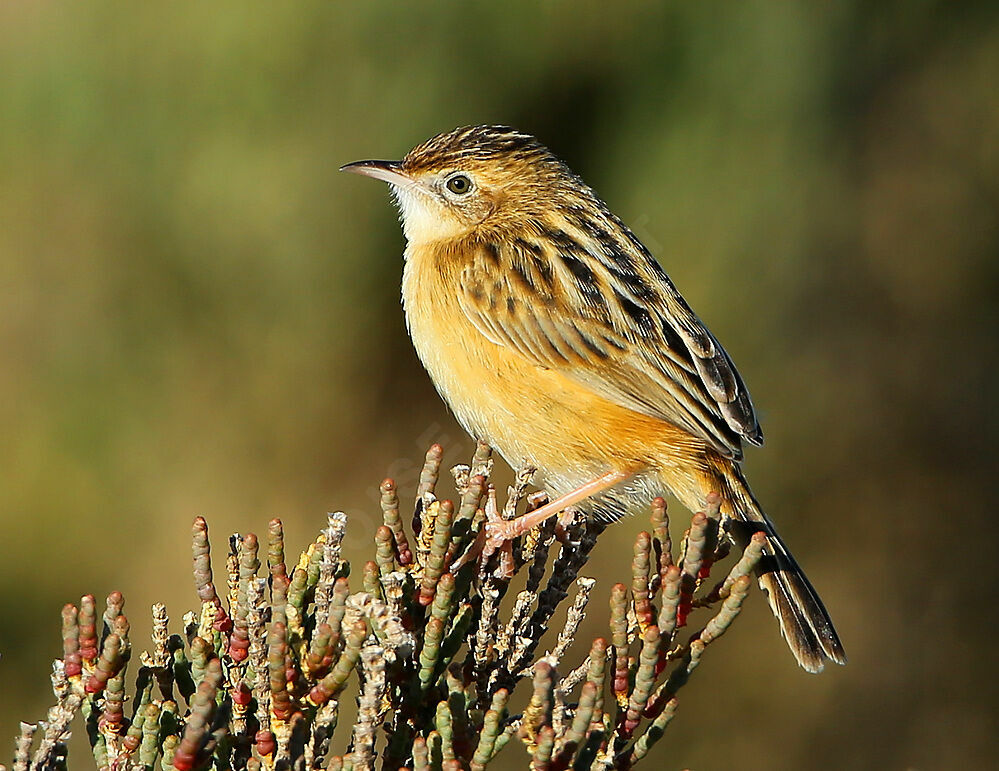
(535, 415)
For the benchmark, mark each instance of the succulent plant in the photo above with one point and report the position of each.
(421, 639)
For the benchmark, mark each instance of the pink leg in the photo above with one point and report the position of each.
(500, 531)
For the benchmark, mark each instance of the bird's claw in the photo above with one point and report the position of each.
(499, 535)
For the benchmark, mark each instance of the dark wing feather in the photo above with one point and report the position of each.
(607, 316)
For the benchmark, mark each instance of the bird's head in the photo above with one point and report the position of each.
(471, 177)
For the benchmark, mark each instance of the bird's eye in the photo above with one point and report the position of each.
(459, 184)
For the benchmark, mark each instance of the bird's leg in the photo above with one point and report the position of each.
(500, 531)
(478, 550)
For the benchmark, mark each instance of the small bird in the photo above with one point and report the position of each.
(554, 335)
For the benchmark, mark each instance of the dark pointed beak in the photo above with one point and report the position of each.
(387, 171)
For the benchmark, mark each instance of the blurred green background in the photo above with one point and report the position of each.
(198, 315)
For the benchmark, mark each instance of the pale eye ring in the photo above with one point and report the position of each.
(459, 184)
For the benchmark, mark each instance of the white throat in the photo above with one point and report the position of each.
(424, 219)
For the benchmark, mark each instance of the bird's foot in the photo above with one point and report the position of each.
(498, 538)
(500, 530)
(497, 534)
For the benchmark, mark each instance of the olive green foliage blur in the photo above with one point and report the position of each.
(199, 316)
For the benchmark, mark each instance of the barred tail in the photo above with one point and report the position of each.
(803, 619)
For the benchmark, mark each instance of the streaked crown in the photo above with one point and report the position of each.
(477, 146)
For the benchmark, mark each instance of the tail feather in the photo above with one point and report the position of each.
(804, 621)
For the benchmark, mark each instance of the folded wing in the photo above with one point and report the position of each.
(604, 314)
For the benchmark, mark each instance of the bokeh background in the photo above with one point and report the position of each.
(198, 315)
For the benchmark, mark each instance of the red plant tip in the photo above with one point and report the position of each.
(264, 742)
(183, 760)
(241, 695)
(629, 727)
(222, 622)
(682, 612)
(656, 705)
(110, 723)
(388, 485)
(660, 665)
(282, 711)
(239, 645)
(88, 652)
